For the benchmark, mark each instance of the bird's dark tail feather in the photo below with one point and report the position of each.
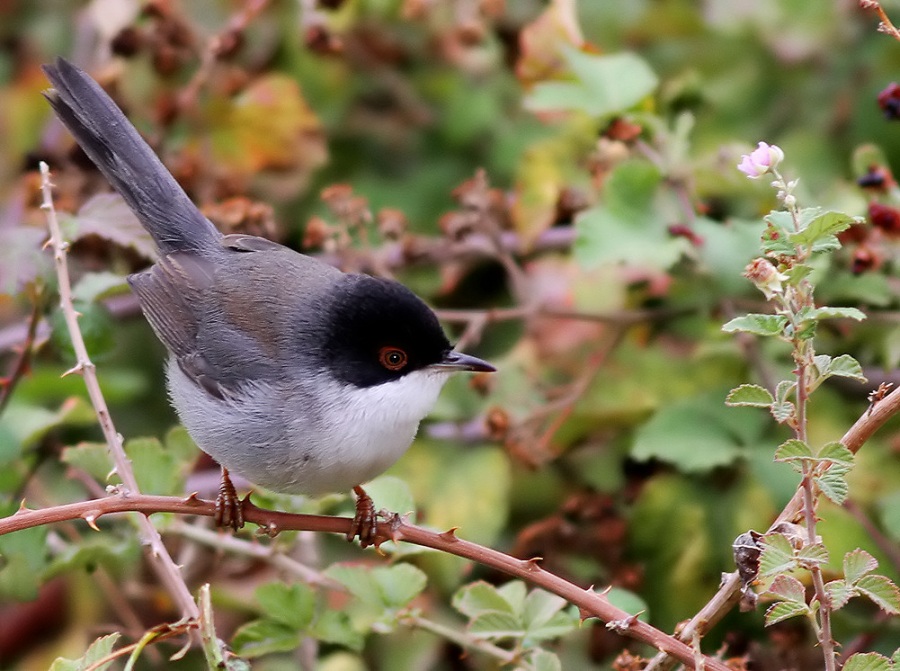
(129, 164)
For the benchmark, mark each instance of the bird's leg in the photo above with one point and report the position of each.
(229, 508)
(364, 522)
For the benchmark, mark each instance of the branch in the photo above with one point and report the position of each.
(160, 560)
(728, 595)
(591, 603)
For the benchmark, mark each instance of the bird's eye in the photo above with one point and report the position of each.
(392, 358)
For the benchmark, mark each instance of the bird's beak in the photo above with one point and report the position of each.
(458, 361)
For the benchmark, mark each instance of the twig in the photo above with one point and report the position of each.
(160, 559)
(23, 360)
(885, 26)
(728, 593)
(590, 602)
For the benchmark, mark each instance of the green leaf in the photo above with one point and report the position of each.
(881, 591)
(787, 587)
(399, 584)
(603, 86)
(867, 661)
(23, 557)
(750, 395)
(93, 286)
(833, 484)
(757, 324)
(263, 637)
(812, 555)
(782, 411)
(515, 592)
(358, 580)
(95, 551)
(478, 597)
(839, 592)
(543, 660)
(495, 625)
(292, 605)
(777, 555)
(155, 468)
(838, 313)
(835, 453)
(93, 458)
(846, 366)
(794, 450)
(696, 434)
(630, 602)
(784, 610)
(858, 563)
(335, 626)
(99, 649)
(540, 606)
(821, 226)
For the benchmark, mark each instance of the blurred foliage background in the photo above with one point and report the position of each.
(558, 179)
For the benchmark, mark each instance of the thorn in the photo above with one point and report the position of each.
(22, 507)
(91, 520)
(272, 530)
(449, 535)
(622, 626)
(77, 369)
(532, 564)
(394, 522)
(192, 499)
(583, 614)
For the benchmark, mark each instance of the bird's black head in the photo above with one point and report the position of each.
(378, 331)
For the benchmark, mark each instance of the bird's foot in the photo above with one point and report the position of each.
(365, 521)
(229, 508)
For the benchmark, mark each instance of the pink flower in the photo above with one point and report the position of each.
(761, 160)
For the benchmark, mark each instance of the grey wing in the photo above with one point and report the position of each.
(179, 299)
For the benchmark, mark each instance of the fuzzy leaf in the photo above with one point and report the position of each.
(782, 411)
(821, 226)
(777, 555)
(99, 649)
(846, 366)
(478, 597)
(813, 555)
(884, 593)
(788, 588)
(495, 625)
(263, 637)
(793, 450)
(784, 610)
(335, 626)
(833, 484)
(858, 563)
(837, 313)
(292, 605)
(867, 661)
(750, 395)
(837, 454)
(543, 660)
(399, 584)
(840, 593)
(757, 324)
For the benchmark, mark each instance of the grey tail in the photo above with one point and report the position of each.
(126, 160)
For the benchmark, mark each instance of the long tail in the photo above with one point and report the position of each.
(129, 164)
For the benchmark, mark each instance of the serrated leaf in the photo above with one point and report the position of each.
(335, 626)
(559, 624)
(782, 411)
(788, 588)
(867, 661)
(292, 605)
(478, 597)
(840, 593)
(399, 584)
(784, 610)
(540, 606)
(757, 324)
(822, 226)
(358, 580)
(794, 450)
(751, 395)
(154, 467)
(838, 313)
(884, 593)
(846, 366)
(543, 660)
(835, 453)
(833, 484)
(263, 637)
(777, 555)
(495, 625)
(99, 649)
(92, 458)
(514, 592)
(895, 658)
(814, 554)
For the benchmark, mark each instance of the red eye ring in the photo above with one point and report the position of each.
(392, 358)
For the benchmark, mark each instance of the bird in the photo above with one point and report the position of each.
(299, 377)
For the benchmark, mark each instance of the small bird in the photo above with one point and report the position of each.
(302, 378)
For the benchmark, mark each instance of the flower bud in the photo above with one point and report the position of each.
(764, 159)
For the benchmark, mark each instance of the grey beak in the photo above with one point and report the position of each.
(459, 361)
